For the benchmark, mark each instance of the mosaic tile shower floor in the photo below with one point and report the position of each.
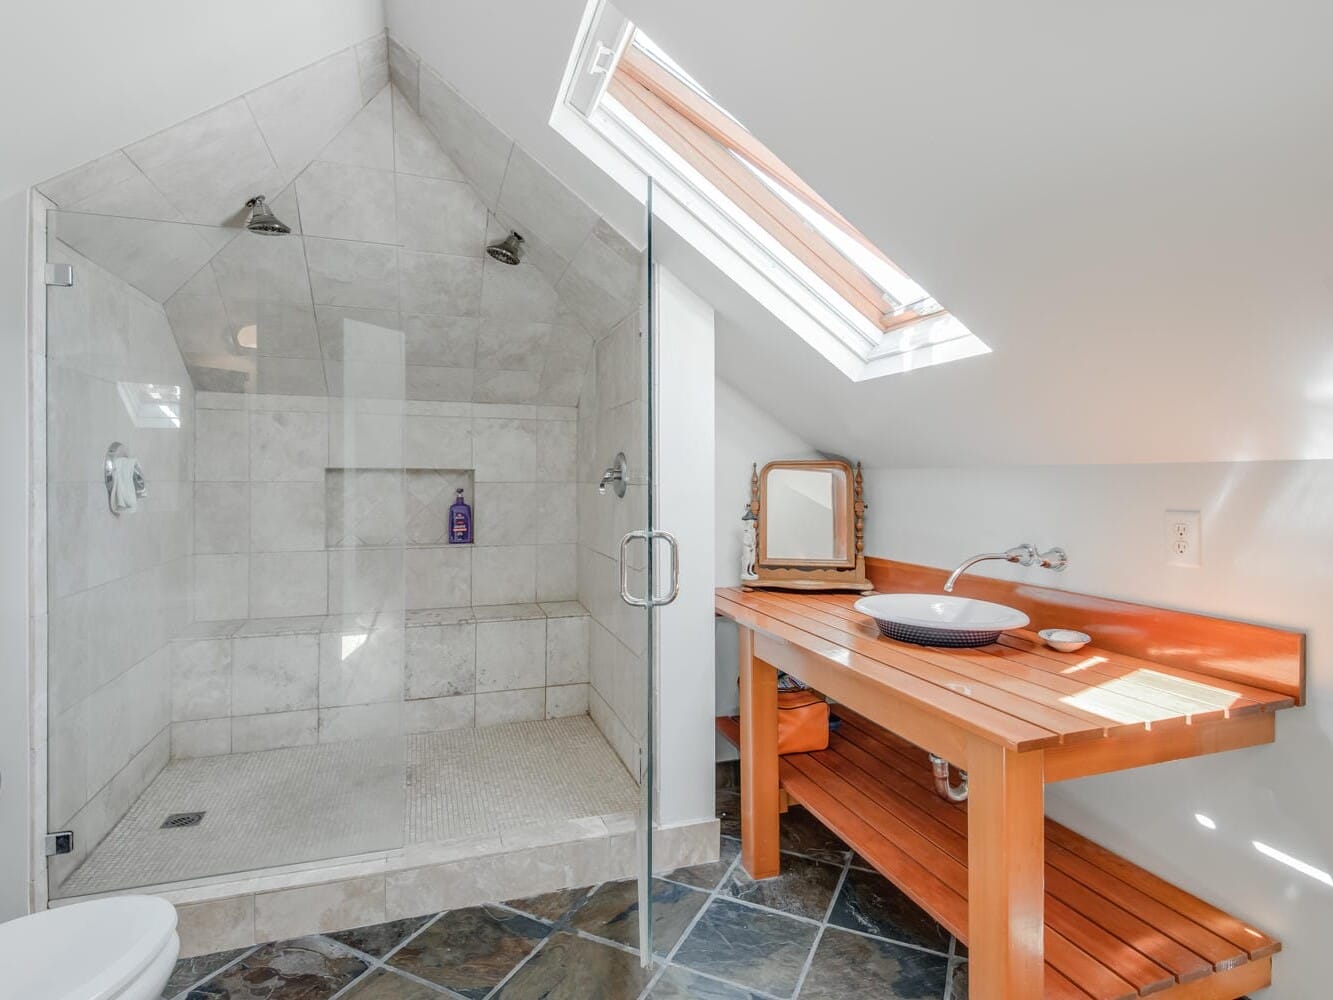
(281, 807)
(826, 928)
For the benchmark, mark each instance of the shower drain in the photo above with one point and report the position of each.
(178, 820)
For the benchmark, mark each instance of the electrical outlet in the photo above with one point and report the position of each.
(1183, 538)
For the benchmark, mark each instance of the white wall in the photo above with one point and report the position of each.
(745, 435)
(685, 405)
(14, 609)
(1266, 540)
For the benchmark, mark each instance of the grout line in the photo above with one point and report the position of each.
(245, 953)
(956, 962)
(514, 971)
(824, 924)
(768, 909)
(713, 894)
(377, 964)
(893, 941)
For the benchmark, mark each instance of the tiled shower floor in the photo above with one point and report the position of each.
(335, 800)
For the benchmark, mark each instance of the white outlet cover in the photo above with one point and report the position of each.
(1183, 538)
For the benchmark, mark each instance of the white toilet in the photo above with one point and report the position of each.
(122, 948)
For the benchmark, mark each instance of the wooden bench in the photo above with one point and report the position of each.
(1044, 912)
(1113, 930)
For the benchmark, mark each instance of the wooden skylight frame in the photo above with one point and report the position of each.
(731, 159)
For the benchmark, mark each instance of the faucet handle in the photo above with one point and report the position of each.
(1054, 559)
(1024, 555)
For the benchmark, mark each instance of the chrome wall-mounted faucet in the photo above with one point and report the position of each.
(614, 476)
(1024, 555)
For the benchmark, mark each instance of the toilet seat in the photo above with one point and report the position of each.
(86, 951)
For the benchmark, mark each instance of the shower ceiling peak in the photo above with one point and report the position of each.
(396, 283)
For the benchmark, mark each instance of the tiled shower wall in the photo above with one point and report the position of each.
(611, 420)
(328, 604)
(118, 586)
(262, 534)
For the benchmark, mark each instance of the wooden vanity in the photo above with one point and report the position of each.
(1044, 911)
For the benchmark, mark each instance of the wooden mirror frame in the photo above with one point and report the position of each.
(806, 574)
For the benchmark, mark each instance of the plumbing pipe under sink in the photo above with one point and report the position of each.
(946, 788)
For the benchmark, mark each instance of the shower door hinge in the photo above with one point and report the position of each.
(60, 843)
(60, 275)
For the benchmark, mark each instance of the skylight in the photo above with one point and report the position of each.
(745, 209)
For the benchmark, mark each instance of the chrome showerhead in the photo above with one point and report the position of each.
(509, 250)
(262, 220)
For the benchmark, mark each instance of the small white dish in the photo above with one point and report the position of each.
(1065, 640)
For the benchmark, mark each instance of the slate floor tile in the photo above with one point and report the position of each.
(764, 951)
(612, 912)
(310, 968)
(804, 887)
(852, 965)
(800, 832)
(385, 984)
(551, 906)
(470, 951)
(189, 971)
(678, 983)
(958, 987)
(574, 968)
(708, 876)
(378, 940)
(871, 903)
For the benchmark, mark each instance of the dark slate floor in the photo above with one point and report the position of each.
(826, 928)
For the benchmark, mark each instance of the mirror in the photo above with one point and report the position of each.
(810, 522)
(801, 516)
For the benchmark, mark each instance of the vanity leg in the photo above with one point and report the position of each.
(1006, 857)
(759, 762)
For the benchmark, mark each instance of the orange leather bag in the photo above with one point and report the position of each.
(803, 718)
(802, 722)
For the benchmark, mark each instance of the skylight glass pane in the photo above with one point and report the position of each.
(837, 290)
(658, 55)
(900, 289)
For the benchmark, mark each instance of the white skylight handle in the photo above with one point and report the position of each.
(602, 60)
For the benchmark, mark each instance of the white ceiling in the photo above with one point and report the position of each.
(1127, 202)
(81, 78)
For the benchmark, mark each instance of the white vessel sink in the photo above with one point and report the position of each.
(939, 619)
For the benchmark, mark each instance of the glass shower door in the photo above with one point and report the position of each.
(226, 565)
(649, 565)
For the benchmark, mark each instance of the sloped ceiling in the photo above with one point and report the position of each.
(384, 289)
(81, 77)
(1127, 203)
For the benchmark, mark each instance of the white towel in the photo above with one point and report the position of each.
(124, 497)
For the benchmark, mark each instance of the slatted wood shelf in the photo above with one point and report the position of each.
(1113, 930)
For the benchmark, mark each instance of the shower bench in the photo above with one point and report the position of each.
(1044, 911)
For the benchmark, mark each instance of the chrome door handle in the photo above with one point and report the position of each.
(652, 599)
(674, 546)
(625, 595)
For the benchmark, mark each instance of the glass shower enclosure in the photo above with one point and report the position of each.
(264, 651)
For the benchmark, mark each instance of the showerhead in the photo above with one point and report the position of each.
(509, 250)
(262, 220)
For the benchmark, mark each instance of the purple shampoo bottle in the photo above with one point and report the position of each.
(460, 521)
